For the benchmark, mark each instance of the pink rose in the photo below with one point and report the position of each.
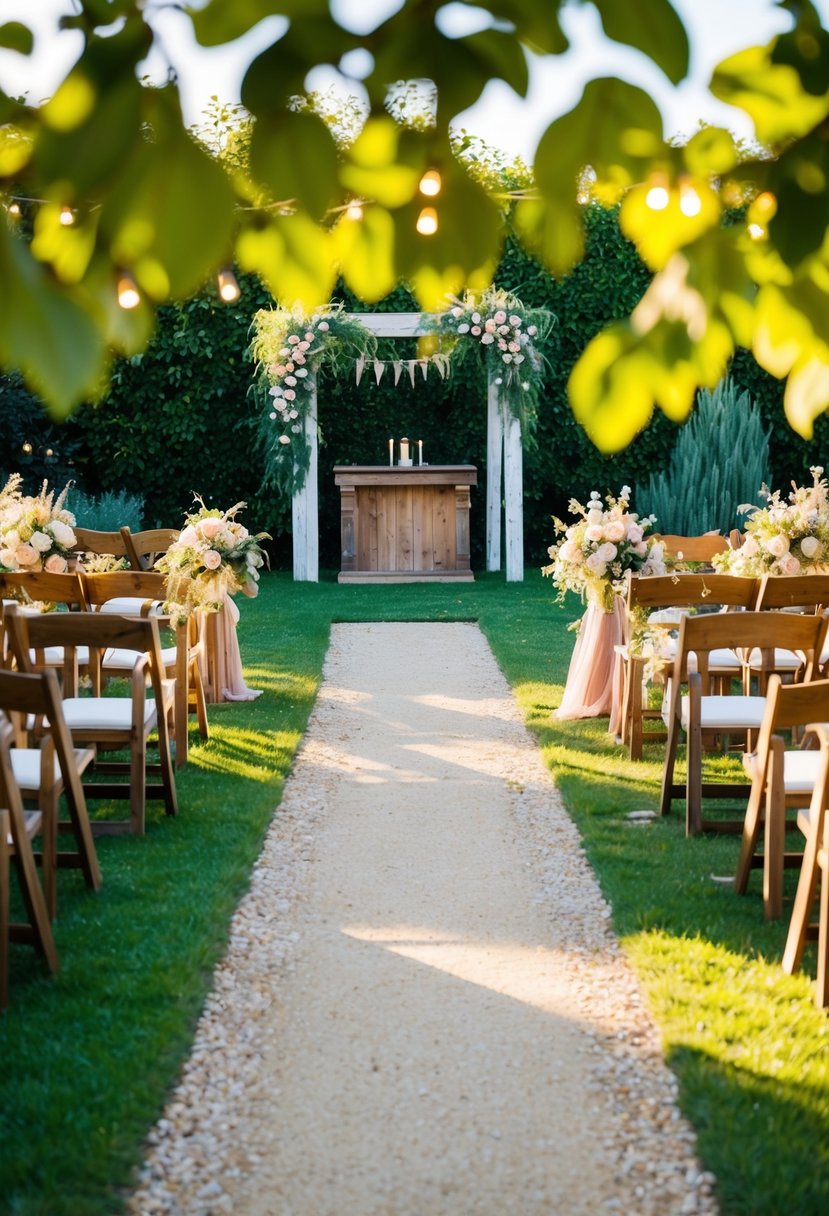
(606, 552)
(595, 533)
(210, 528)
(55, 564)
(595, 565)
(635, 534)
(615, 530)
(500, 317)
(211, 560)
(790, 565)
(27, 555)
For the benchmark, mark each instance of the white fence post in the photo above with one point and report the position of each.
(494, 449)
(305, 504)
(514, 496)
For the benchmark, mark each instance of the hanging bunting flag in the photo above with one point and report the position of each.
(424, 367)
(358, 368)
(398, 368)
(379, 368)
(412, 365)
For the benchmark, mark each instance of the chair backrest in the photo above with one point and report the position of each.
(144, 547)
(694, 548)
(807, 591)
(87, 540)
(38, 693)
(29, 634)
(149, 585)
(791, 705)
(744, 631)
(689, 590)
(42, 587)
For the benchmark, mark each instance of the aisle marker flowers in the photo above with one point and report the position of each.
(785, 537)
(214, 555)
(594, 553)
(36, 530)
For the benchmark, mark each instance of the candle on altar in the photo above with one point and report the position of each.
(391, 451)
(404, 450)
(420, 451)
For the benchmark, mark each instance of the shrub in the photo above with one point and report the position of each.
(720, 460)
(108, 511)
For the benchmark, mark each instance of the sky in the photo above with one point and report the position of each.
(717, 28)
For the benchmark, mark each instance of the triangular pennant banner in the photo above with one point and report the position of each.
(412, 366)
(424, 367)
(358, 368)
(398, 368)
(379, 368)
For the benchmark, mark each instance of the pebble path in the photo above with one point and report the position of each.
(422, 1010)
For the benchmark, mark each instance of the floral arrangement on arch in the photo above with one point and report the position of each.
(785, 537)
(594, 553)
(214, 556)
(36, 530)
(288, 346)
(496, 325)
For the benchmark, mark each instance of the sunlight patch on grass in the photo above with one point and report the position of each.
(254, 754)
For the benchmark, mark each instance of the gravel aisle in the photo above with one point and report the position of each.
(422, 1011)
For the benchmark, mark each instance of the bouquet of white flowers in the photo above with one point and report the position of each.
(594, 553)
(214, 556)
(36, 531)
(785, 537)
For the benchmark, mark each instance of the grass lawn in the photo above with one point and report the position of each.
(88, 1056)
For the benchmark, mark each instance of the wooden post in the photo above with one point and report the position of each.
(494, 448)
(305, 504)
(514, 496)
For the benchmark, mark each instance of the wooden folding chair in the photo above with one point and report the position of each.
(656, 594)
(781, 779)
(813, 822)
(702, 548)
(35, 587)
(17, 828)
(143, 548)
(101, 544)
(111, 723)
(700, 712)
(43, 773)
(145, 591)
(776, 593)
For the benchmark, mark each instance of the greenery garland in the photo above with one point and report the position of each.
(288, 346)
(495, 325)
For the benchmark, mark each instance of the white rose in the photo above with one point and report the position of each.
(595, 533)
(615, 530)
(606, 552)
(62, 533)
(809, 546)
(595, 565)
(41, 542)
(595, 515)
(778, 545)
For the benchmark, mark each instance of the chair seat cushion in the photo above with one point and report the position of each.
(26, 767)
(118, 659)
(130, 605)
(103, 713)
(53, 656)
(727, 713)
(800, 769)
(784, 660)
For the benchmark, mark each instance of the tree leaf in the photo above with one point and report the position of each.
(365, 252)
(294, 257)
(659, 234)
(536, 22)
(807, 393)
(294, 157)
(220, 22)
(279, 72)
(771, 94)
(14, 36)
(653, 28)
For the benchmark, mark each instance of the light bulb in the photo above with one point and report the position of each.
(354, 211)
(128, 294)
(27, 448)
(756, 232)
(228, 286)
(657, 198)
(67, 216)
(430, 183)
(690, 203)
(14, 209)
(49, 453)
(427, 222)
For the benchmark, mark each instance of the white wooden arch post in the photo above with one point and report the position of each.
(504, 450)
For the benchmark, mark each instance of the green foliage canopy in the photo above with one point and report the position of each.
(149, 200)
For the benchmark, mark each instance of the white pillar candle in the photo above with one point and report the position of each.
(420, 451)
(404, 450)
(391, 451)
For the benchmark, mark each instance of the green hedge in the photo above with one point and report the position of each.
(179, 418)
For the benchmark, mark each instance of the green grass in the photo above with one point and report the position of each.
(88, 1056)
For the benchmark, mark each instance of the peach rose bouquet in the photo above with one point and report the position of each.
(36, 531)
(594, 553)
(215, 555)
(785, 537)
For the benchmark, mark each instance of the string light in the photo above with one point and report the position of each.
(128, 294)
(228, 285)
(690, 203)
(14, 209)
(27, 448)
(427, 222)
(756, 232)
(657, 198)
(430, 183)
(354, 211)
(67, 216)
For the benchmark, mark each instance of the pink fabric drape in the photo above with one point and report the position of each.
(593, 686)
(234, 687)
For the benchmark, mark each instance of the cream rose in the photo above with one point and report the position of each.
(211, 560)
(809, 546)
(606, 552)
(26, 555)
(778, 545)
(210, 528)
(595, 533)
(595, 565)
(595, 515)
(615, 530)
(790, 565)
(55, 564)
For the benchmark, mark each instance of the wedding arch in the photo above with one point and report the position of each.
(288, 347)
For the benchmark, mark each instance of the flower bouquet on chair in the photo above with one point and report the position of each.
(784, 538)
(36, 531)
(592, 558)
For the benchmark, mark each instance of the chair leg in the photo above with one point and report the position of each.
(751, 832)
(804, 900)
(822, 981)
(4, 909)
(635, 708)
(775, 834)
(693, 775)
(138, 785)
(201, 701)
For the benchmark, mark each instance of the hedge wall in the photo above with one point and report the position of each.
(179, 419)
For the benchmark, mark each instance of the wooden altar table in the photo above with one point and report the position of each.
(405, 524)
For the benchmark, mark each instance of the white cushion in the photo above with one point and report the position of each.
(53, 656)
(727, 713)
(667, 616)
(784, 660)
(26, 767)
(118, 659)
(130, 605)
(103, 713)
